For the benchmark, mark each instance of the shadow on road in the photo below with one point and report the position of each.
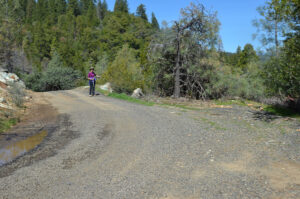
(264, 116)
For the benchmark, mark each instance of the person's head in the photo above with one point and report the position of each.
(92, 69)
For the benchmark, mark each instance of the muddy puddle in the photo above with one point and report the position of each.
(19, 148)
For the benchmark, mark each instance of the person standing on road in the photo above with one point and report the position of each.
(92, 81)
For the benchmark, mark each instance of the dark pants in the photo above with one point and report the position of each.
(92, 84)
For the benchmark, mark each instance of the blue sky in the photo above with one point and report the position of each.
(235, 16)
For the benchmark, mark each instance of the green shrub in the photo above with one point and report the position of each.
(102, 64)
(55, 77)
(17, 93)
(282, 76)
(221, 81)
(124, 73)
(33, 81)
(59, 78)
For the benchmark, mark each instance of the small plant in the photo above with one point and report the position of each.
(5, 124)
(17, 93)
(7, 114)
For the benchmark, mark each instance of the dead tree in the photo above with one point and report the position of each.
(178, 47)
(194, 21)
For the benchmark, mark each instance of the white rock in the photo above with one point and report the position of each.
(2, 79)
(137, 93)
(13, 77)
(1, 99)
(107, 87)
(5, 106)
(8, 77)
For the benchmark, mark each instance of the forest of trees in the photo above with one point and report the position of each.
(185, 58)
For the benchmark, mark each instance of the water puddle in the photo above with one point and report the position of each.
(19, 148)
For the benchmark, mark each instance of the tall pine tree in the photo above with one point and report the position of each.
(56, 8)
(102, 9)
(30, 7)
(41, 10)
(141, 12)
(92, 14)
(154, 22)
(121, 6)
(60, 6)
(85, 5)
(10, 30)
(73, 7)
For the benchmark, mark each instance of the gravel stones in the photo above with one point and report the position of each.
(126, 150)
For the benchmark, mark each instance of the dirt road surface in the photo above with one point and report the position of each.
(98, 147)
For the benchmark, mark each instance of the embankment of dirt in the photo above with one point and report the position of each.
(39, 116)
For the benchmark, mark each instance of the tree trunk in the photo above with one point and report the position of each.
(177, 70)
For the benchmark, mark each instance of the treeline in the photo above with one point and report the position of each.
(64, 38)
(79, 31)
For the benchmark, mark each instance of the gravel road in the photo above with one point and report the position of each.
(105, 148)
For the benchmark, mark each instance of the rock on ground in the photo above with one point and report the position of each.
(106, 87)
(6, 78)
(137, 93)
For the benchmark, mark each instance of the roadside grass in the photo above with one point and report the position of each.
(229, 102)
(185, 107)
(280, 111)
(7, 123)
(271, 109)
(125, 97)
(239, 102)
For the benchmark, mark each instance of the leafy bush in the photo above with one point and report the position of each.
(17, 93)
(33, 81)
(282, 76)
(55, 77)
(124, 73)
(214, 80)
(102, 64)
(248, 85)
